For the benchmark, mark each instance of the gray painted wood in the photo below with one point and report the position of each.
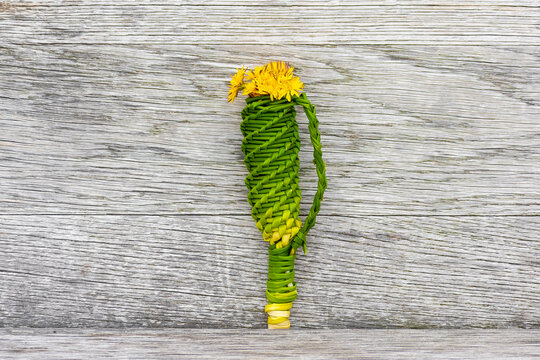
(122, 201)
(260, 344)
(405, 129)
(174, 22)
(210, 271)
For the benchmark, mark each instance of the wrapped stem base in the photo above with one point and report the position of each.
(280, 287)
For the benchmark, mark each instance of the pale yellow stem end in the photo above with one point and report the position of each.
(278, 315)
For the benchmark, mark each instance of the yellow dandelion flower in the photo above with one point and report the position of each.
(249, 88)
(237, 83)
(233, 92)
(238, 78)
(275, 79)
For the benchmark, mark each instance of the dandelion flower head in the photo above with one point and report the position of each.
(275, 79)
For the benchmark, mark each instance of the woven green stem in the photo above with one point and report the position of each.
(271, 145)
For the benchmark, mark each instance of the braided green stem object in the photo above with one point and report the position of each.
(271, 145)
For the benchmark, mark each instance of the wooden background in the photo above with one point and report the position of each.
(122, 196)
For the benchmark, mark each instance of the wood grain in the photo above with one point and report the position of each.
(171, 22)
(405, 129)
(122, 197)
(196, 271)
(256, 344)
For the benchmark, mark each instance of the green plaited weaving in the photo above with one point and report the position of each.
(270, 146)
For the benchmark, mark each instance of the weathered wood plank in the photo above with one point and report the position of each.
(405, 129)
(13, 5)
(171, 23)
(196, 271)
(256, 344)
(116, 108)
